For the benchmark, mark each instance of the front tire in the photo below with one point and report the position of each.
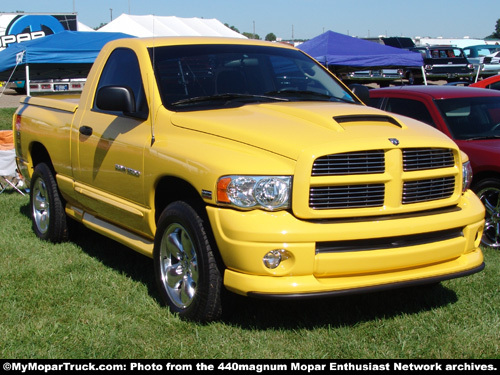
(488, 191)
(47, 207)
(187, 275)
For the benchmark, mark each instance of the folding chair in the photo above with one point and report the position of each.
(9, 175)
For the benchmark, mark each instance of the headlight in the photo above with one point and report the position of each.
(466, 175)
(247, 192)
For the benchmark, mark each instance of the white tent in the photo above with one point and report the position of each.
(82, 27)
(149, 25)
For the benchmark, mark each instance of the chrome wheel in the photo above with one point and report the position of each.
(41, 206)
(179, 266)
(490, 196)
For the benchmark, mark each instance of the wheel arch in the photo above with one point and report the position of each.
(170, 189)
(478, 177)
(39, 154)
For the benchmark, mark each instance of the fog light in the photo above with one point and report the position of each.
(272, 259)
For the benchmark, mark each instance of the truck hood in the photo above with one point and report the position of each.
(483, 153)
(292, 127)
(483, 145)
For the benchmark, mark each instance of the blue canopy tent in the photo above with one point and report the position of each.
(343, 53)
(67, 54)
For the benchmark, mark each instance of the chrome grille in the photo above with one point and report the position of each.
(349, 163)
(348, 196)
(416, 159)
(417, 186)
(428, 190)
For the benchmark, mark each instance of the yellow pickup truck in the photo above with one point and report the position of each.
(246, 165)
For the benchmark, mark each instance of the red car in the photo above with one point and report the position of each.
(492, 82)
(471, 116)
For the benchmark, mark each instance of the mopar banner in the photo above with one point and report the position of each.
(20, 27)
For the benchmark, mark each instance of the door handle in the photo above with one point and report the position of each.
(85, 130)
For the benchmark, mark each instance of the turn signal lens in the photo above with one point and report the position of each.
(17, 122)
(466, 176)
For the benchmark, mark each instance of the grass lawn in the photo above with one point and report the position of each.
(6, 118)
(93, 298)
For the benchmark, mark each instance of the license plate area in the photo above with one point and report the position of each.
(61, 87)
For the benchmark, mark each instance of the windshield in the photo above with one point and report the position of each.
(472, 118)
(194, 76)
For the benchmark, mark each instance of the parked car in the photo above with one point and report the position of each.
(493, 58)
(484, 57)
(471, 116)
(492, 82)
(441, 63)
(48, 85)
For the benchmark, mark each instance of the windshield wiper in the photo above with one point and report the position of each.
(482, 137)
(227, 98)
(308, 95)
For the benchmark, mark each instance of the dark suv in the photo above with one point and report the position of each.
(441, 63)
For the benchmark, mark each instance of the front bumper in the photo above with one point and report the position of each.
(372, 76)
(243, 238)
(432, 75)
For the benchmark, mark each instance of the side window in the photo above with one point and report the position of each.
(484, 52)
(495, 86)
(122, 69)
(410, 108)
(375, 102)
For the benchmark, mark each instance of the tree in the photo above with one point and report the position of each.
(251, 35)
(271, 37)
(232, 28)
(497, 29)
(101, 25)
(496, 34)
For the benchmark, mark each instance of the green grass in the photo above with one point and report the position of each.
(93, 298)
(6, 118)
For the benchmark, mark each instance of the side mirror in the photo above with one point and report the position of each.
(116, 98)
(362, 92)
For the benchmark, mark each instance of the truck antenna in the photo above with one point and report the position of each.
(151, 88)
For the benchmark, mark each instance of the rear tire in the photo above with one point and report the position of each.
(186, 271)
(47, 207)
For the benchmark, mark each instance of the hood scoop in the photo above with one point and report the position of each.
(352, 119)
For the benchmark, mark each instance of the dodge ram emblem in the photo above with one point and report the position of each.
(394, 141)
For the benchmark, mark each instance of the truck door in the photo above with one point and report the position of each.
(110, 172)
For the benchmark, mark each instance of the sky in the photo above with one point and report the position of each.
(297, 19)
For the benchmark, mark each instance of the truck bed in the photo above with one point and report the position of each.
(68, 103)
